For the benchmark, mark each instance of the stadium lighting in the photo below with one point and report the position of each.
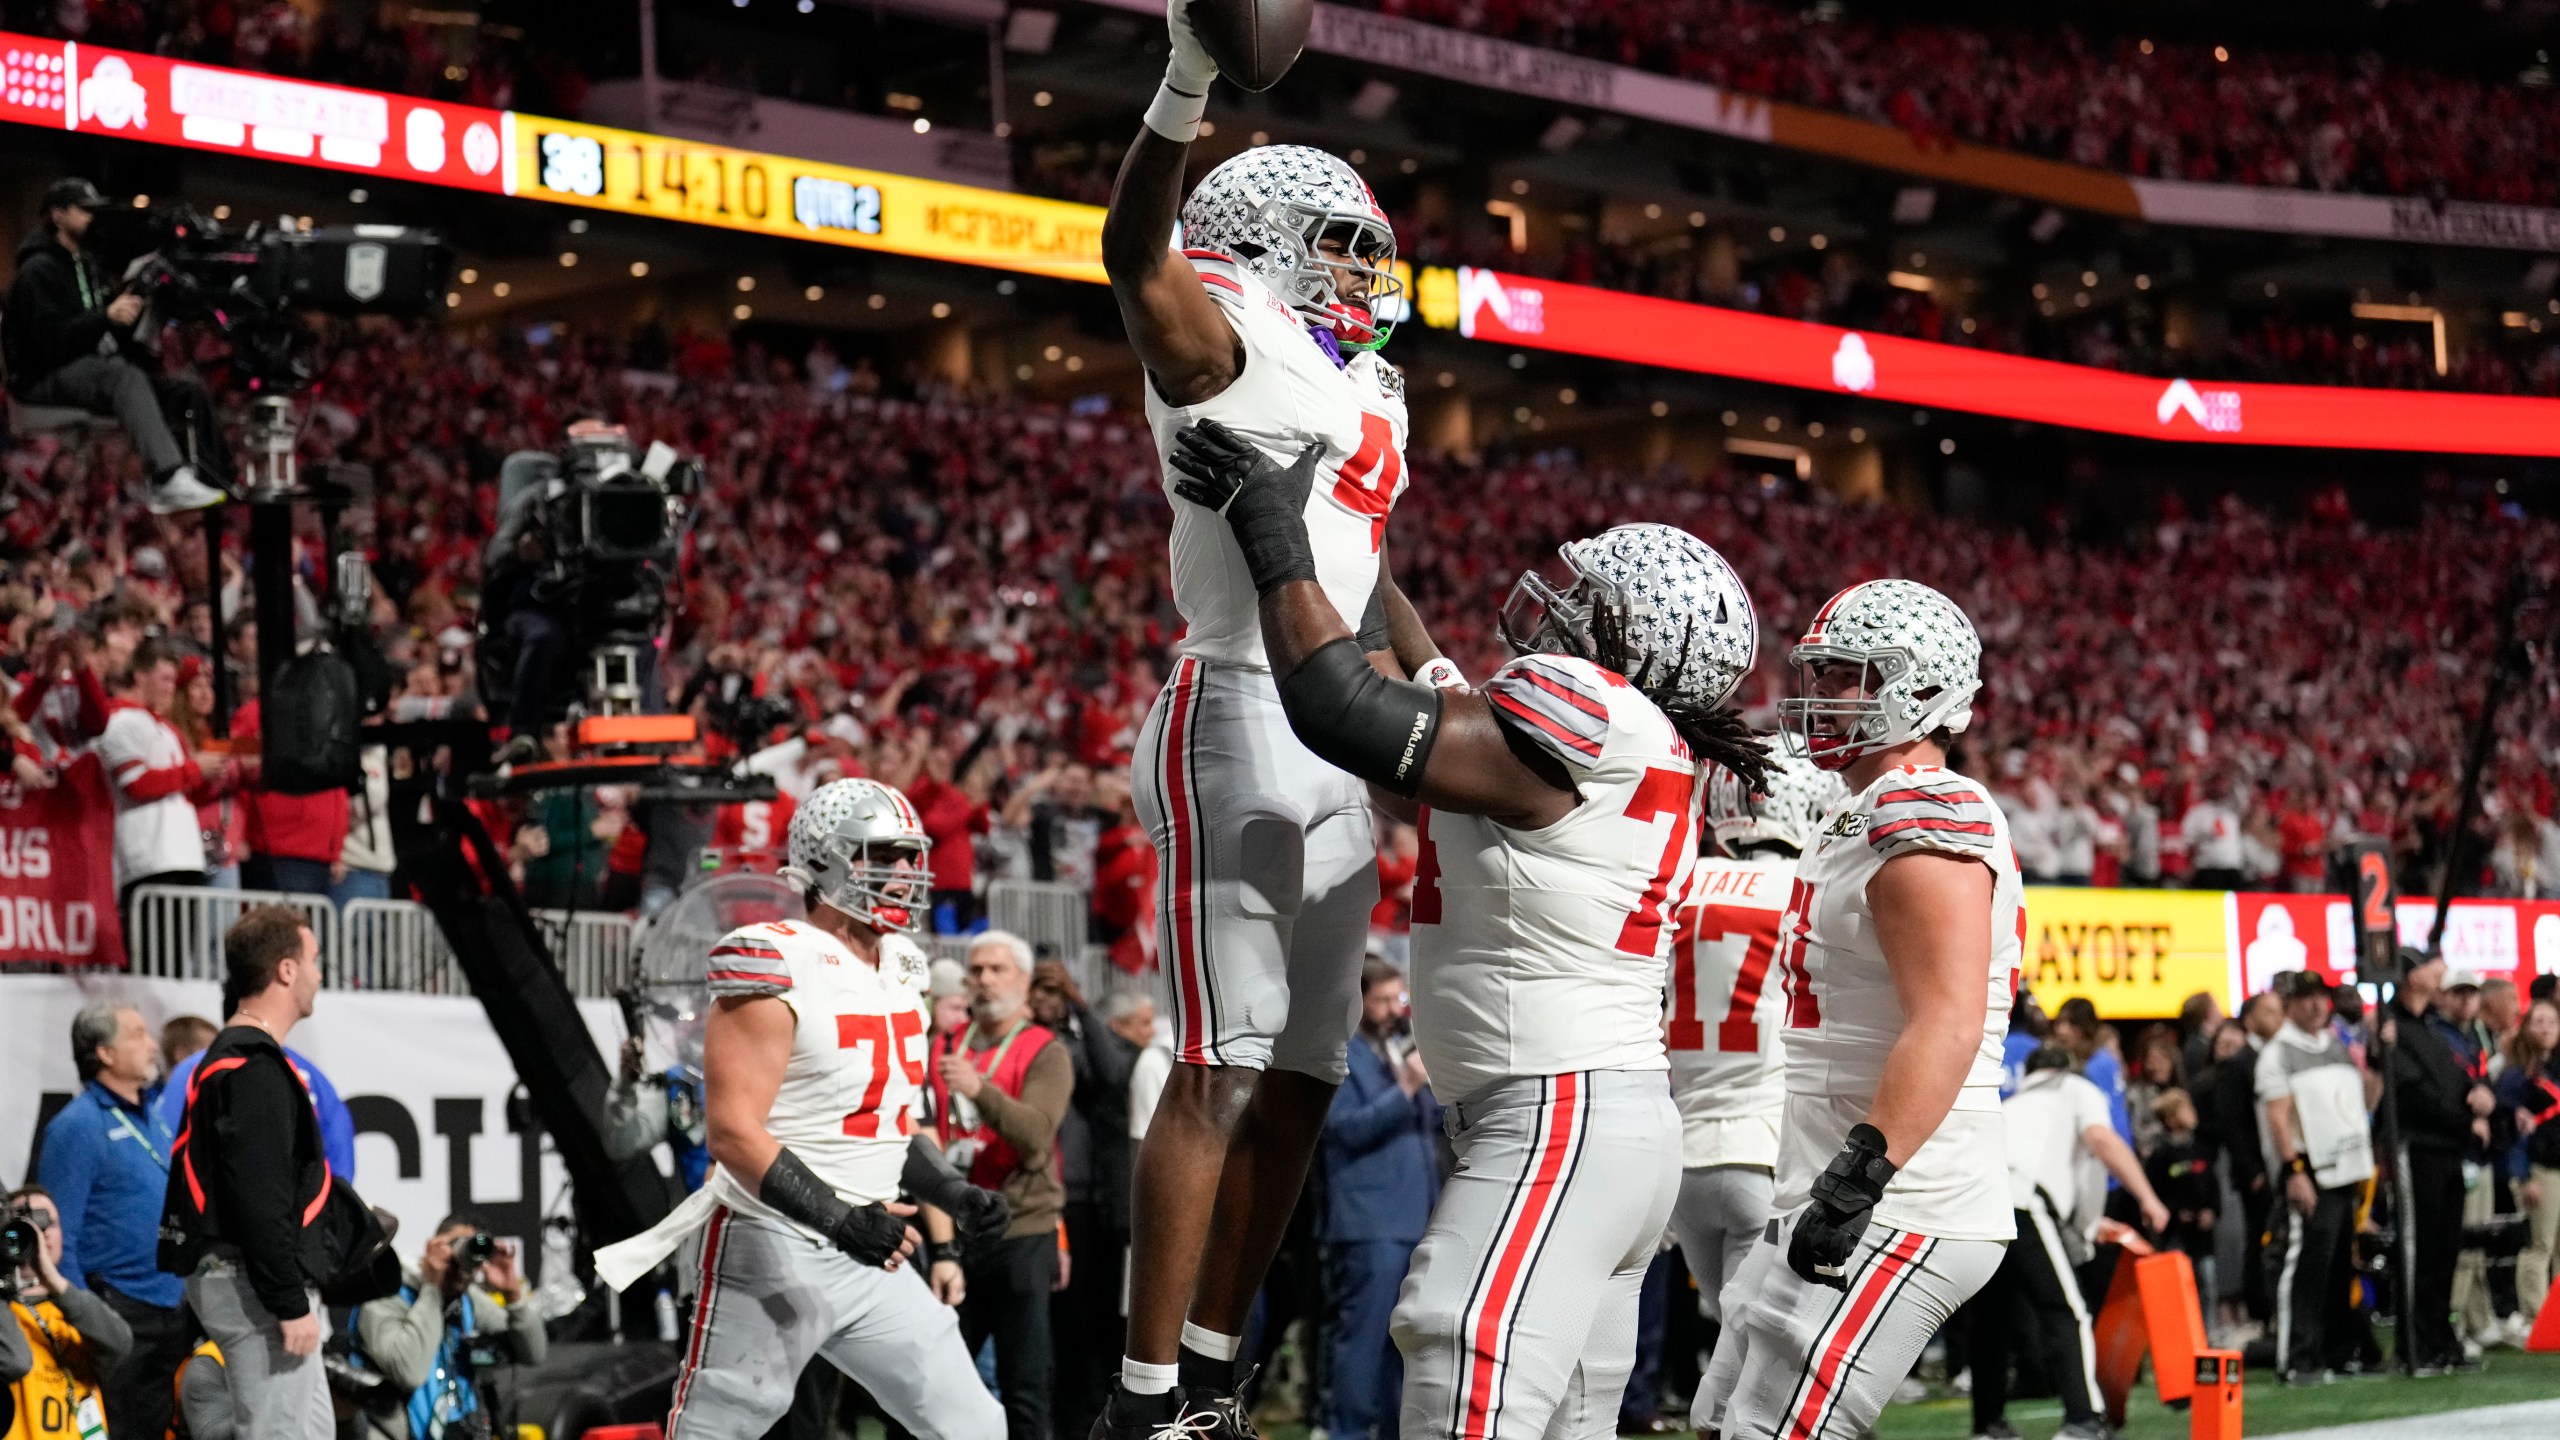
(1905, 280)
(2427, 315)
(639, 268)
(746, 283)
(1660, 408)
(502, 289)
(743, 311)
(941, 309)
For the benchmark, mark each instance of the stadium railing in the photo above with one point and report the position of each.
(396, 944)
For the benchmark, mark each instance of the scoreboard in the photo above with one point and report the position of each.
(669, 178)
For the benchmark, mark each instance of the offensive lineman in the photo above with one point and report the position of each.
(1267, 321)
(813, 1059)
(1723, 1031)
(1557, 820)
(1895, 960)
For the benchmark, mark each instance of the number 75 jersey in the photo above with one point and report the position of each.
(1726, 1062)
(857, 1067)
(1541, 952)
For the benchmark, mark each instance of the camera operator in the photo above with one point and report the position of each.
(455, 1313)
(63, 1340)
(71, 341)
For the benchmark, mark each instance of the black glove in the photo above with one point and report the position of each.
(868, 1233)
(1844, 1195)
(979, 1215)
(1265, 505)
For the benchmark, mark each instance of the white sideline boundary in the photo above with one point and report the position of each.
(2528, 1420)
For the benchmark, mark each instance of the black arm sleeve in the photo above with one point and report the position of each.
(254, 1180)
(868, 1233)
(1358, 720)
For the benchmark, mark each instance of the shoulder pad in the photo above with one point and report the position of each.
(1558, 702)
(1930, 810)
(748, 961)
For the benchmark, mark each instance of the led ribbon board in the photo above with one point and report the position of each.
(1579, 320)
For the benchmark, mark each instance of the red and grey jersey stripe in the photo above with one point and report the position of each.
(1931, 810)
(746, 964)
(1217, 271)
(1556, 703)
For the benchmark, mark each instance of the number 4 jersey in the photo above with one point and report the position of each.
(857, 1067)
(1724, 1019)
(1541, 952)
(1289, 393)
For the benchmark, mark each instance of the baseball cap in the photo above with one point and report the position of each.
(2462, 979)
(73, 190)
(2298, 984)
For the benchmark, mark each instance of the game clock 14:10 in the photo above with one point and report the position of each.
(704, 185)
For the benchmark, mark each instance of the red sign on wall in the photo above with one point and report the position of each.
(2275, 933)
(131, 96)
(1580, 320)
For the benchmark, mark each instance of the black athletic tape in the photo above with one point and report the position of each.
(1358, 720)
(868, 1233)
(1373, 622)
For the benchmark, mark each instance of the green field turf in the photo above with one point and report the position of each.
(2267, 1407)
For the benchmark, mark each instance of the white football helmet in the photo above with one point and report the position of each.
(1656, 604)
(1269, 206)
(1919, 663)
(1788, 811)
(861, 846)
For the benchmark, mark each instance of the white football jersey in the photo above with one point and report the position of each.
(857, 1069)
(1843, 1014)
(1541, 952)
(1290, 394)
(1724, 1015)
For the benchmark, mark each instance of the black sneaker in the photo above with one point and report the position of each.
(1175, 1415)
(1225, 1406)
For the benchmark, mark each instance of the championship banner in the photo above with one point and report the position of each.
(423, 1077)
(57, 870)
(2132, 953)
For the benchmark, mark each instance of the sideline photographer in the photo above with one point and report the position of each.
(71, 341)
(459, 1313)
(63, 1341)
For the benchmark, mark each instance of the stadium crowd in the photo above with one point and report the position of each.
(971, 589)
(2166, 109)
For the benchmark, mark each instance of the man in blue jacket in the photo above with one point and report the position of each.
(106, 1162)
(1381, 1176)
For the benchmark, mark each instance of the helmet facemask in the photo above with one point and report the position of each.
(884, 885)
(1310, 276)
(1539, 618)
(1878, 713)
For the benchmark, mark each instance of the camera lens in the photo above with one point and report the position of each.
(19, 1242)
(480, 1248)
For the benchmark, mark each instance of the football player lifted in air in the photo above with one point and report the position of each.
(1267, 319)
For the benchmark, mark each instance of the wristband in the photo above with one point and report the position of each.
(1441, 673)
(1175, 113)
(2297, 1165)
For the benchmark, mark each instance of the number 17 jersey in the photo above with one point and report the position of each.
(1727, 1067)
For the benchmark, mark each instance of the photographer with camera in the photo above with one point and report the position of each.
(71, 340)
(460, 1312)
(62, 1341)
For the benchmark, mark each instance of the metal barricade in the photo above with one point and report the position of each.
(593, 949)
(1049, 914)
(396, 945)
(177, 929)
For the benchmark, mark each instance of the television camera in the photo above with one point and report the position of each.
(587, 545)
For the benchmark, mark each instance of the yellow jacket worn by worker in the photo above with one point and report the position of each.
(51, 1356)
